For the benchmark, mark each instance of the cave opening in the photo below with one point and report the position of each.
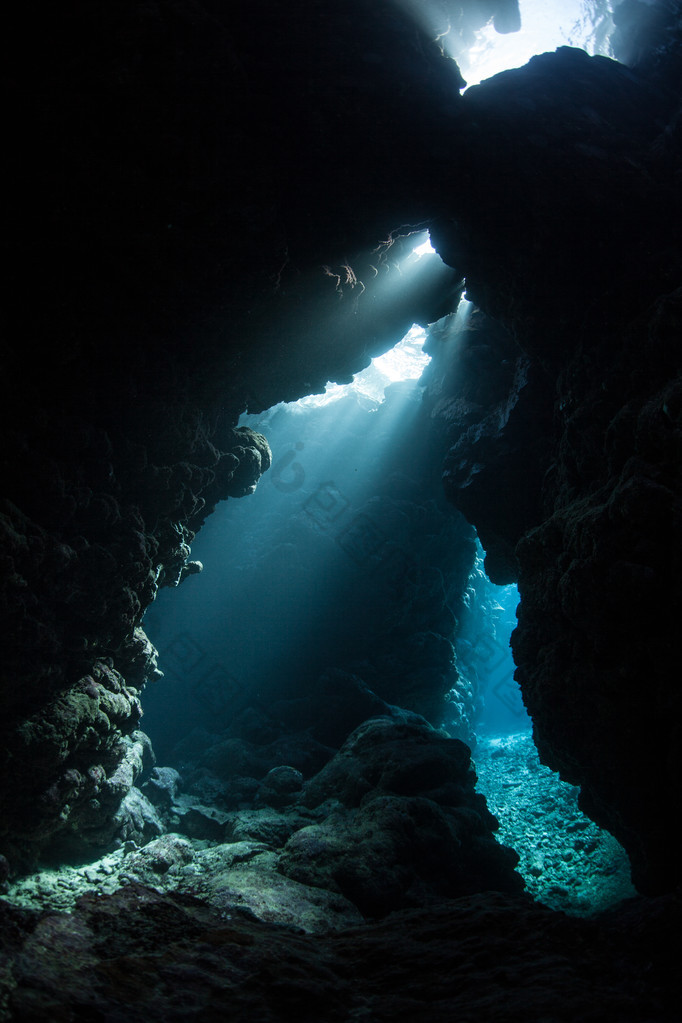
(483, 45)
(306, 777)
(344, 587)
(326, 578)
(347, 572)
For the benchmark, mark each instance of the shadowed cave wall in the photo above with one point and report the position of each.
(204, 207)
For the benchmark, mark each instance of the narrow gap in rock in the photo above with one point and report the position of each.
(567, 861)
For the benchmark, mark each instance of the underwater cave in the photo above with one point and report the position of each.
(341, 530)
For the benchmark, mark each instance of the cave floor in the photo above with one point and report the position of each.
(567, 861)
(143, 955)
(189, 928)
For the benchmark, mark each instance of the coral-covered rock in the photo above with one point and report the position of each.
(241, 880)
(280, 787)
(160, 856)
(398, 851)
(162, 786)
(136, 820)
(266, 825)
(403, 757)
(407, 827)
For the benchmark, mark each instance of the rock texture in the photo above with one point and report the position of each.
(142, 955)
(496, 408)
(83, 556)
(408, 827)
(607, 594)
(391, 820)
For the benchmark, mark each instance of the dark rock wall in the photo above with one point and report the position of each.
(85, 548)
(197, 203)
(572, 476)
(407, 823)
(494, 406)
(601, 580)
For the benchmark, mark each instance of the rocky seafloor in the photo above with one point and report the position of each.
(568, 862)
(330, 908)
(232, 858)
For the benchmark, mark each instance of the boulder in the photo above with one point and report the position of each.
(405, 824)
(403, 756)
(400, 851)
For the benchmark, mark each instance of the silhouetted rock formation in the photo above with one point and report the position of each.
(598, 573)
(81, 570)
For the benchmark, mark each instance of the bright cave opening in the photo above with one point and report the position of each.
(348, 572)
(347, 569)
(485, 46)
